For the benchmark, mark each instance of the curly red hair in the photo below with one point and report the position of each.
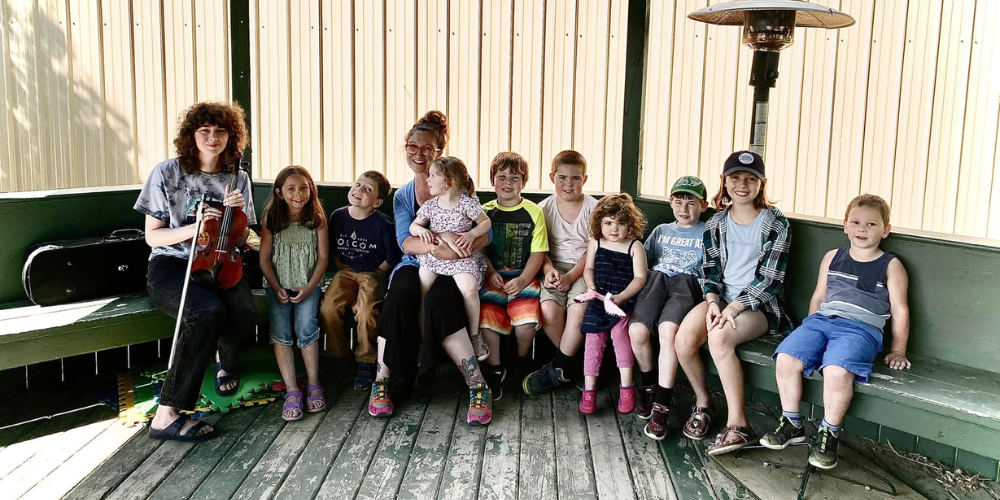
(225, 115)
(621, 208)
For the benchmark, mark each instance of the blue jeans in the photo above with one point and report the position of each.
(303, 314)
(822, 341)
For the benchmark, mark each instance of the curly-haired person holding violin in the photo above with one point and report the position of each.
(209, 139)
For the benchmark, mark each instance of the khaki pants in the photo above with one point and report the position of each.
(364, 293)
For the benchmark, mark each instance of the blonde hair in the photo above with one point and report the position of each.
(622, 208)
(454, 170)
(870, 201)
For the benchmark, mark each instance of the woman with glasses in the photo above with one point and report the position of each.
(402, 340)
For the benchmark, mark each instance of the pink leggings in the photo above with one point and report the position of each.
(593, 353)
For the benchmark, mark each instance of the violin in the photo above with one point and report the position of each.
(217, 260)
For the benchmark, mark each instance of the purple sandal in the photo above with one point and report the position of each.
(311, 397)
(292, 405)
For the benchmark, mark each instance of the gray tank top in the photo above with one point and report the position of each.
(857, 290)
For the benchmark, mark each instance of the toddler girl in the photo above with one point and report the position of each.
(615, 265)
(454, 210)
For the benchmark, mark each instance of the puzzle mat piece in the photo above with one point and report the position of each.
(259, 372)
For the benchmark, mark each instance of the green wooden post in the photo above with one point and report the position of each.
(239, 33)
(635, 55)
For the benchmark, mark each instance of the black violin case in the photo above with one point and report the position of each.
(60, 272)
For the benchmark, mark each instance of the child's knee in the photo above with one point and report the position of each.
(836, 377)
(638, 333)
(788, 365)
(687, 343)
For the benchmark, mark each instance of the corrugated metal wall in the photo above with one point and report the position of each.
(904, 104)
(337, 84)
(92, 88)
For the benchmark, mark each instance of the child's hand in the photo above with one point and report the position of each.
(713, 316)
(617, 299)
(897, 361)
(564, 283)
(424, 234)
(280, 294)
(494, 279)
(462, 252)
(301, 293)
(514, 286)
(552, 278)
(465, 242)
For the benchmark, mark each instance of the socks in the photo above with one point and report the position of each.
(562, 361)
(795, 417)
(650, 378)
(664, 395)
(835, 429)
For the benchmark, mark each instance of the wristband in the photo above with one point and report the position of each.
(713, 302)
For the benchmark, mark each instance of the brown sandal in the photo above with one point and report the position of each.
(731, 439)
(698, 423)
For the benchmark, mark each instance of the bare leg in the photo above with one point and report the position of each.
(383, 371)
(722, 342)
(838, 389)
(788, 370)
(572, 337)
(668, 355)
(459, 349)
(639, 336)
(524, 334)
(310, 356)
(469, 288)
(626, 375)
(285, 355)
(493, 342)
(553, 320)
(691, 335)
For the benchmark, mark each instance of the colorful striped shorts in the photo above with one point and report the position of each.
(501, 313)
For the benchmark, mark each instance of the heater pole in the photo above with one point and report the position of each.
(763, 77)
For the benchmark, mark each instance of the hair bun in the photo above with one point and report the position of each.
(437, 120)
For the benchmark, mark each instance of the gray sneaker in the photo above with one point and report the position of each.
(823, 449)
(543, 380)
(786, 434)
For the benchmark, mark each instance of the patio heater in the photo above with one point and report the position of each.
(768, 27)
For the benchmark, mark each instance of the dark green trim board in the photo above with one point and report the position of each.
(635, 56)
(239, 33)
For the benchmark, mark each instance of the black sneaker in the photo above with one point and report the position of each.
(823, 449)
(366, 375)
(786, 434)
(494, 375)
(543, 379)
(647, 394)
(658, 420)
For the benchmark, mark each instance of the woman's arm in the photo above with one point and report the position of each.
(159, 235)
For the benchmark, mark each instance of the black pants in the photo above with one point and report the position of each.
(444, 315)
(214, 320)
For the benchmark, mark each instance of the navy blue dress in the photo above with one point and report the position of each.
(612, 273)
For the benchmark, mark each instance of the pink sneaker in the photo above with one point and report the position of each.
(588, 401)
(626, 399)
(380, 405)
(480, 405)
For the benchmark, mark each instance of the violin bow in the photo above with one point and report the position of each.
(199, 216)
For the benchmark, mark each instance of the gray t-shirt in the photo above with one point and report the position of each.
(743, 244)
(170, 195)
(673, 250)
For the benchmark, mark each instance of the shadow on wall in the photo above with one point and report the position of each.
(68, 123)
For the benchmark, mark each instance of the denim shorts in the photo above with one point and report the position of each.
(822, 341)
(302, 314)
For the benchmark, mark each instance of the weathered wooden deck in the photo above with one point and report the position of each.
(536, 447)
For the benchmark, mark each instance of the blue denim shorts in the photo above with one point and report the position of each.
(822, 341)
(303, 314)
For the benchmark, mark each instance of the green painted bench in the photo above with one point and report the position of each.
(947, 406)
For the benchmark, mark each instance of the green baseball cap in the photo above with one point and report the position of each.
(691, 185)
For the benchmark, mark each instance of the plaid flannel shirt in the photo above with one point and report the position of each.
(764, 293)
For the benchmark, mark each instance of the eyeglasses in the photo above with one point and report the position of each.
(425, 151)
